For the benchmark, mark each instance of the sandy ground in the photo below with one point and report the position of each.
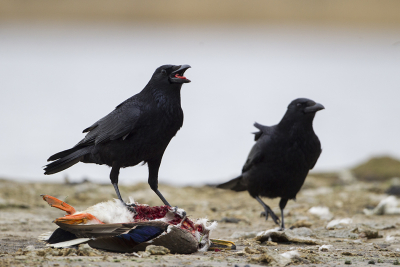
(24, 216)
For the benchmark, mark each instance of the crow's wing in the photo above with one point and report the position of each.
(117, 124)
(262, 130)
(257, 152)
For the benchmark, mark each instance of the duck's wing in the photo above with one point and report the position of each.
(108, 230)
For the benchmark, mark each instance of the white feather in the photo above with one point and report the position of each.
(112, 211)
(69, 243)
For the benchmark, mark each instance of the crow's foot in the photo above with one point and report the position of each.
(130, 207)
(181, 214)
(273, 216)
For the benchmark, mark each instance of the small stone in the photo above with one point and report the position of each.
(41, 253)
(157, 250)
(240, 253)
(86, 250)
(325, 248)
(347, 262)
(265, 258)
(371, 234)
(67, 251)
(270, 243)
(250, 251)
(371, 262)
(347, 253)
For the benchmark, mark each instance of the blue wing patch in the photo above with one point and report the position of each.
(142, 234)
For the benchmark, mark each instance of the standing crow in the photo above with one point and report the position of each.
(137, 130)
(280, 160)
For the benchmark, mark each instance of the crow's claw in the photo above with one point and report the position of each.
(273, 216)
(130, 207)
(175, 210)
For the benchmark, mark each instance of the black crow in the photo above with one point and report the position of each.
(137, 130)
(280, 160)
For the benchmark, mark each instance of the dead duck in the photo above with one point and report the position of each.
(110, 226)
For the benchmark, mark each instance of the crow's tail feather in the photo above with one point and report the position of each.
(234, 184)
(64, 153)
(66, 159)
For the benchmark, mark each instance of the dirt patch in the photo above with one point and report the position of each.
(359, 239)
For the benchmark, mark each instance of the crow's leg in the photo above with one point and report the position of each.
(268, 211)
(114, 180)
(154, 166)
(153, 179)
(282, 205)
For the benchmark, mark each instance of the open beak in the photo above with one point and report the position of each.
(177, 75)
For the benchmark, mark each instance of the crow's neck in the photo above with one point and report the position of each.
(166, 97)
(296, 126)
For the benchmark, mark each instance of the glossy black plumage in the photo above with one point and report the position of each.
(280, 159)
(137, 130)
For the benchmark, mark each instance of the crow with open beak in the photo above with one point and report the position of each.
(137, 130)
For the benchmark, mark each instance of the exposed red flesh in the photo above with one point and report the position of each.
(179, 77)
(147, 213)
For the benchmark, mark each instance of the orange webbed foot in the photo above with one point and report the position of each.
(55, 202)
(80, 218)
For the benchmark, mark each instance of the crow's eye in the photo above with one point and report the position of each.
(163, 71)
(299, 104)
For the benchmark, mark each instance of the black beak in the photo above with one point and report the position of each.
(181, 69)
(314, 108)
(177, 75)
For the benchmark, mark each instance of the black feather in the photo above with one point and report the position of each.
(60, 235)
(234, 184)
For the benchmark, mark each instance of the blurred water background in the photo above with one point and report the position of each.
(64, 67)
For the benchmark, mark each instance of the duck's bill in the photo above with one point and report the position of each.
(221, 244)
(81, 218)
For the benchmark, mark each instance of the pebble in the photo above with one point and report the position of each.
(157, 250)
(325, 248)
(269, 243)
(347, 253)
(251, 251)
(369, 234)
